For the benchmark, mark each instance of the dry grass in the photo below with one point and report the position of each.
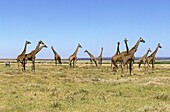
(84, 88)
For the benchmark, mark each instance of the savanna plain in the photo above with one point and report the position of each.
(85, 88)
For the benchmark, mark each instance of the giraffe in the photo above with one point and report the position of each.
(100, 57)
(56, 56)
(32, 55)
(127, 48)
(143, 58)
(7, 64)
(117, 57)
(129, 57)
(73, 57)
(21, 57)
(114, 58)
(127, 51)
(152, 57)
(92, 58)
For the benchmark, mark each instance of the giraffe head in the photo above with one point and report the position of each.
(141, 40)
(149, 50)
(102, 48)
(79, 46)
(159, 45)
(27, 42)
(45, 46)
(41, 42)
(126, 40)
(85, 51)
(118, 43)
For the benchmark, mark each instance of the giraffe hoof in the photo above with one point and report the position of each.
(114, 73)
(133, 74)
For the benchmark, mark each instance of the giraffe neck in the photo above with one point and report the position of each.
(101, 53)
(118, 51)
(127, 48)
(54, 51)
(75, 52)
(146, 54)
(89, 53)
(134, 49)
(38, 50)
(25, 47)
(154, 53)
(38, 45)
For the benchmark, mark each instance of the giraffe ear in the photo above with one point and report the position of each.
(28, 42)
(159, 45)
(45, 46)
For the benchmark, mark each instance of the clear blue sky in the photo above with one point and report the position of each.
(92, 23)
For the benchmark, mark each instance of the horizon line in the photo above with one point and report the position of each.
(104, 58)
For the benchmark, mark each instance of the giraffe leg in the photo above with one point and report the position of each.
(148, 63)
(59, 61)
(95, 62)
(73, 63)
(127, 67)
(145, 66)
(152, 66)
(122, 68)
(18, 66)
(70, 63)
(100, 62)
(123, 64)
(24, 65)
(111, 64)
(130, 68)
(91, 62)
(55, 61)
(33, 65)
(132, 63)
(115, 66)
(139, 65)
